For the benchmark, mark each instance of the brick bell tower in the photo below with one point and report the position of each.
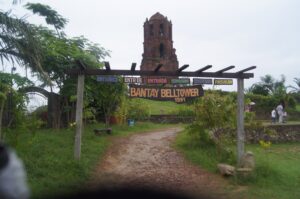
(158, 44)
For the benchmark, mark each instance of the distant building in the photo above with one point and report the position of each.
(158, 44)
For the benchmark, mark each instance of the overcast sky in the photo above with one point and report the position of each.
(265, 33)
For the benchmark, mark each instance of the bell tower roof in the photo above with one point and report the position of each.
(157, 16)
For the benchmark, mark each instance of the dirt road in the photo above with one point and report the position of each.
(148, 160)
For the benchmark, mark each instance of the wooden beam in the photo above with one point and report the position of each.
(158, 67)
(240, 120)
(81, 65)
(225, 69)
(133, 65)
(203, 69)
(179, 70)
(107, 66)
(159, 73)
(246, 69)
(79, 108)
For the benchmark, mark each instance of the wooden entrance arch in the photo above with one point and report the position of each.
(240, 75)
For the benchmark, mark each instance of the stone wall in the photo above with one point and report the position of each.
(172, 119)
(275, 133)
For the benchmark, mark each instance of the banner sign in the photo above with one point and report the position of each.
(177, 94)
(223, 81)
(159, 80)
(110, 79)
(197, 81)
(132, 80)
(180, 81)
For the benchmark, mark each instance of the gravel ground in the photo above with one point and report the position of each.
(147, 160)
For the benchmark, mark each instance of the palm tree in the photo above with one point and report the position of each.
(275, 87)
(268, 81)
(18, 42)
(296, 89)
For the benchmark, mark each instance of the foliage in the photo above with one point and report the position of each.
(214, 124)
(269, 86)
(184, 111)
(215, 113)
(138, 109)
(104, 97)
(18, 42)
(265, 144)
(15, 106)
(60, 53)
(259, 90)
(51, 16)
(296, 89)
(263, 103)
(14, 79)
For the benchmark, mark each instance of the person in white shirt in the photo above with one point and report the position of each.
(279, 110)
(273, 116)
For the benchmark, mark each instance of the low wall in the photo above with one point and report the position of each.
(172, 119)
(276, 133)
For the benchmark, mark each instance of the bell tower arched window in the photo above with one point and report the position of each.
(161, 29)
(151, 30)
(161, 50)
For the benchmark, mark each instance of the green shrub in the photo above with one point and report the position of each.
(215, 123)
(138, 109)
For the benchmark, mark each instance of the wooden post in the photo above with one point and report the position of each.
(240, 120)
(79, 107)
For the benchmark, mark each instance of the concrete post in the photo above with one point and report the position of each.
(240, 120)
(79, 108)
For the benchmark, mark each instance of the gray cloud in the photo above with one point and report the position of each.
(222, 33)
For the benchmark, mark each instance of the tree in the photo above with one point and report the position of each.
(6, 91)
(259, 89)
(106, 97)
(269, 86)
(51, 16)
(60, 53)
(18, 42)
(296, 89)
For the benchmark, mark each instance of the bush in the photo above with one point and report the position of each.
(138, 109)
(215, 123)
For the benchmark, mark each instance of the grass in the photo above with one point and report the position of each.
(164, 107)
(298, 107)
(48, 156)
(277, 173)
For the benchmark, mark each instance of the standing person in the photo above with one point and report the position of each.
(273, 116)
(284, 116)
(279, 110)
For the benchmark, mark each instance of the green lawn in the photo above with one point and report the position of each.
(164, 107)
(277, 173)
(48, 156)
(298, 107)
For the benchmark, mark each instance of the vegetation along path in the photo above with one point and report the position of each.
(148, 160)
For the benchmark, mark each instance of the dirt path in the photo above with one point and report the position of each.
(148, 160)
